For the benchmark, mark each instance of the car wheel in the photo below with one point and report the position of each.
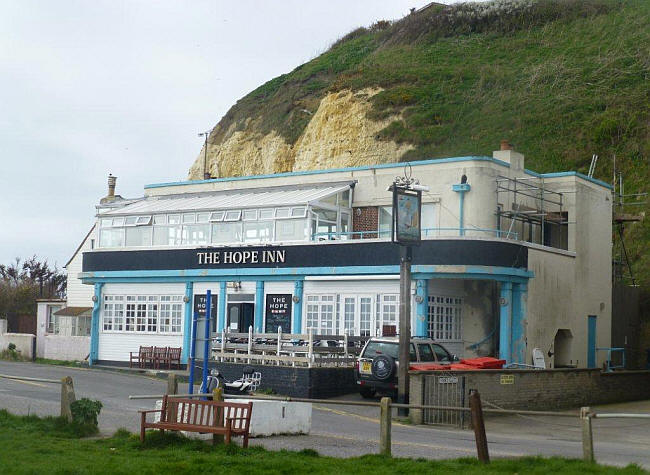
(367, 393)
(383, 367)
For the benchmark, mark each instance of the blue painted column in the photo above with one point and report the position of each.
(187, 322)
(421, 307)
(297, 307)
(505, 322)
(259, 305)
(461, 189)
(221, 309)
(94, 324)
(518, 340)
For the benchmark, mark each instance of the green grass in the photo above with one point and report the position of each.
(76, 364)
(48, 445)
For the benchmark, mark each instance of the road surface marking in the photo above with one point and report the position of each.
(31, 383)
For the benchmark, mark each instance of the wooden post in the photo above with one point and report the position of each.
(217, 395)
(67, 397)
(385, 426)
(587, 436)
(479, 427)
(172, 384)
(279, 346)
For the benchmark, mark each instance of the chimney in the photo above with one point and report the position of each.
(111, 197)
(111, 185)
(507, 154)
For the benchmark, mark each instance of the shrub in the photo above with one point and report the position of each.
(85, 412)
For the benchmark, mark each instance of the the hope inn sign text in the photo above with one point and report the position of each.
(241, 257)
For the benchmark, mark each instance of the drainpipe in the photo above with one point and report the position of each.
(421, 307)
(461, 189)
(505, 322)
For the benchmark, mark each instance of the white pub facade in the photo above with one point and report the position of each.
(510, 259)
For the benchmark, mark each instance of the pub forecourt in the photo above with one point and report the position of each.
(510, 260)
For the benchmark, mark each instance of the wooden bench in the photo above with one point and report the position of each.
(195, 415)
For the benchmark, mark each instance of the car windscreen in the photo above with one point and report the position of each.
(376, 348)
(442, 355)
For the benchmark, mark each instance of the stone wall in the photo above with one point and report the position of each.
(539, 389)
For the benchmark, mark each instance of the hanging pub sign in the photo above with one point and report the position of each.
(407, 207)
(278, 312)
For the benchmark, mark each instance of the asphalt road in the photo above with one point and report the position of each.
(345, 431)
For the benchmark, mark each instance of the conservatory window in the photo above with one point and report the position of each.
(291, 230)
(111, 237)
(189, 218)
(167, 235)
(249, 215)
(196, 234)
(138, 236)
(282, 213)
(226, 232)
(258, 231)
(267, 213)
(216, 216)
(232, 215)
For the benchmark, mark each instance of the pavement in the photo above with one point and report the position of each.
(345, 431)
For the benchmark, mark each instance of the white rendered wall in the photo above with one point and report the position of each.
(23, 342)
(115, 346)
(41, 323)
(278, 417)
(77, 293)
(67, 348)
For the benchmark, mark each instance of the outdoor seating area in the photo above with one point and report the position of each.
(288, 349)
(156, 357)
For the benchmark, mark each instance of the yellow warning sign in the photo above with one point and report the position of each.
(507, 379)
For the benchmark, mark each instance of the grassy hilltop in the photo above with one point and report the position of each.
(561, 79)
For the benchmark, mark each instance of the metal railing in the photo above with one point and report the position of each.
(426, 232)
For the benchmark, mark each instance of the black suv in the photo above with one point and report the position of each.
(376, 368)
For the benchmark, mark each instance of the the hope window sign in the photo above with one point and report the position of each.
(278, 312)
(407, 209)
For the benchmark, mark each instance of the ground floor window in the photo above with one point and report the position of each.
(445, 318)
(142, 313)
(358, 314)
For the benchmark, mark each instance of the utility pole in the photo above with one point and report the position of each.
(404, 327)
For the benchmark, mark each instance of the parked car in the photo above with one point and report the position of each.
(376, 367)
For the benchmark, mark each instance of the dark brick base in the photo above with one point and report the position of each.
(313, 383)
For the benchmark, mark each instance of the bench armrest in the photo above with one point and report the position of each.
(150, 410)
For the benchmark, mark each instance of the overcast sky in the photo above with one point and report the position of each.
(92, 87)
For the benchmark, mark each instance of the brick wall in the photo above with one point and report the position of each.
(365, 219)
(540, 389)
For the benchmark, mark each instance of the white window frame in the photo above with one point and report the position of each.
(445, 314)
(144, 314)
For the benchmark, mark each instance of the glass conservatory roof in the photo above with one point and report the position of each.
(251, 198)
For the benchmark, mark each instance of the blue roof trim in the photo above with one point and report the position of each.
(470, 158)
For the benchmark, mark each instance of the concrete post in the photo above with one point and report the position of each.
(67, 397)
(587, 436)
(505, 322)
(385, 426)
(422, 308)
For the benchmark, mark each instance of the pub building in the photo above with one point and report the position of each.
(510, 259)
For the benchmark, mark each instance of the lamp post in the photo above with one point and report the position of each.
(206, 173)
(406, 231)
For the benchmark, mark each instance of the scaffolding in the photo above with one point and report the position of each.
(531, 211)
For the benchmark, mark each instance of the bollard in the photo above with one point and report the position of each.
(479, 427)
(172, 384)
(217, 395)
(67, 398)
(385, 426)
(587, 436)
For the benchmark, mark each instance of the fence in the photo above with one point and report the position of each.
(288, 349)
(475, 409)
(67, 391)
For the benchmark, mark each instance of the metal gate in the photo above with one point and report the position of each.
(445, 390)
